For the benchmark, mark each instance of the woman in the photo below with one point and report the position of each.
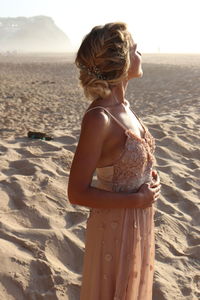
(119, 249)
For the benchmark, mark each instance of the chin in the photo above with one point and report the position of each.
(136, 75)
(139, 74)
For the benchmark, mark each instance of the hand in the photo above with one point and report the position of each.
(149, 193)
(155, 178)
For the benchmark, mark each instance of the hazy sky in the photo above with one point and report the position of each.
(156, 25)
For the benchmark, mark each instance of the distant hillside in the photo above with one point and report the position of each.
(35, 34)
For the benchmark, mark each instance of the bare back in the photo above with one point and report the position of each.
(120, 119)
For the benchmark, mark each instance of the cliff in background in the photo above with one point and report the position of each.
(34, 34)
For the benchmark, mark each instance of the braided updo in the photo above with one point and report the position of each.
(103, 59)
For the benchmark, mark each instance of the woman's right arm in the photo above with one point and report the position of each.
(92, 137)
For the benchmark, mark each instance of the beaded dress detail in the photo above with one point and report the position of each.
(119, 243)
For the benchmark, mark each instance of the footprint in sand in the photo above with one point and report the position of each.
(69, 142)
(66, 139)
(65, 252)
(23, 167)
(73, 291)
(80, 232)
(3, 150)
(74, 218)
(16, 194)
(44, 280)
(196, 281)
(193, 251)
(26, 153)
(181, 182)
(157, 134)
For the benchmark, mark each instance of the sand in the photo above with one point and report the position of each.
(41, 234)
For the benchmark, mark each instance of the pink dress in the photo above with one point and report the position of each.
(119, 243)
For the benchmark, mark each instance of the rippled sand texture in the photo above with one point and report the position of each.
(41, 233)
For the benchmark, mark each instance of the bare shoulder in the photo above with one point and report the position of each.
(95, 119)
(88, 151)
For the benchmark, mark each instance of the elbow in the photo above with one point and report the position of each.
(71, 196)
(74, 195)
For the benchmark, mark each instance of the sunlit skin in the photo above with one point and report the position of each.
(101, 143)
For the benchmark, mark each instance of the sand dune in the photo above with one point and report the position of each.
(41, 233)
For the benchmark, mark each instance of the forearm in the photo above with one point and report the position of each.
(97, 198)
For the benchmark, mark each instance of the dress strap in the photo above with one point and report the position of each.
(119, 123)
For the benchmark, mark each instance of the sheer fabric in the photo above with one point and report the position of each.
(119, 243)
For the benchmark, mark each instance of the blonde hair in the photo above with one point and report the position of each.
(103, 59)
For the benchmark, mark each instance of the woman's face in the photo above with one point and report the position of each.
(135, 69)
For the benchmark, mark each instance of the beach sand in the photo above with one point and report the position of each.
(41, 234)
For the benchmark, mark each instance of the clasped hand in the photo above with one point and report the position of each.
(150, 191)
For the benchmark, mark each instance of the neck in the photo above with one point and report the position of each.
(119, 91)
(117, 96)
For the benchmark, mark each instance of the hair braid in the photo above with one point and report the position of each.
(103, 59)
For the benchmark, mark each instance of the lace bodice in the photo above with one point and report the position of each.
(134, 167)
